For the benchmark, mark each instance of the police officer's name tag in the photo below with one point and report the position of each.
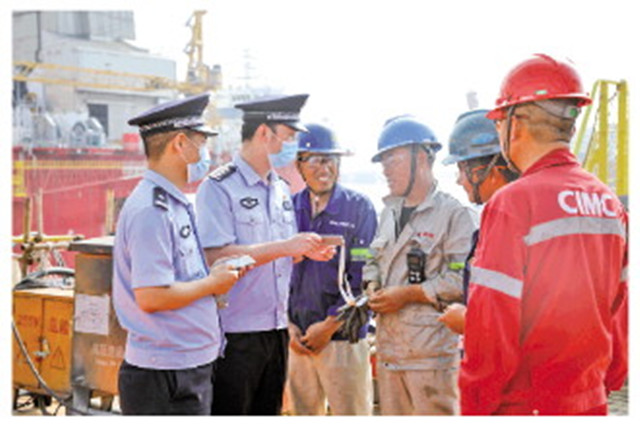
(249, 202)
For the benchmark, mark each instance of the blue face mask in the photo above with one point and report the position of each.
(198, 170)
(286, 156)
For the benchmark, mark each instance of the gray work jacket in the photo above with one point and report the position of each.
(413, 338)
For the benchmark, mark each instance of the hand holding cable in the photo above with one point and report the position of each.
(355, 312)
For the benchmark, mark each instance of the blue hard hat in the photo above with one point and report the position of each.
(473, 136)
(319, 139)
(404, 130)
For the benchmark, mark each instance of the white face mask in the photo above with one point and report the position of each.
(199, 169)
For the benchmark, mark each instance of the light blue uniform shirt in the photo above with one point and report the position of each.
(156, 244)
(237, 207)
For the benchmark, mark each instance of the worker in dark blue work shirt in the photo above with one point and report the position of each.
(323, 364)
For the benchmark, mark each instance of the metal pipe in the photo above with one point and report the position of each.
(583, 127)
(46, 238)
(27, 219)
(45, 246)
(39, 30)
(40, 211)
(622, 166)
(110, 213)
(603, 134)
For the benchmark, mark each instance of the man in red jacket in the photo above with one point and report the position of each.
(546, 325)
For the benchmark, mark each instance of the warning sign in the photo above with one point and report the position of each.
(58, 326)
(57, 360)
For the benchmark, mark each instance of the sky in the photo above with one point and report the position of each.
(365, 61)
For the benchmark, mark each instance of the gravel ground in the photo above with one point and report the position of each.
(619, 402)
(618, 405)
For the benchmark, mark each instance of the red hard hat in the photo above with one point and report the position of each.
(539, 78)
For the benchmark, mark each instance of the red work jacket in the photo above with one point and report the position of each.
(546, 327)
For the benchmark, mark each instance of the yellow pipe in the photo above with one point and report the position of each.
(622, 166)
(583, 126)
(120, 74)
(600, 160)
(76, 83)
(45, 238)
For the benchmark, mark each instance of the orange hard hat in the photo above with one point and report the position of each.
(539, 78)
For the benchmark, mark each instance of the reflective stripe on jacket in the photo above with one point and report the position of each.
(546, 290)
(413, 338)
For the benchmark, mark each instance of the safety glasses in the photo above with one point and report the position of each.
(315, 161)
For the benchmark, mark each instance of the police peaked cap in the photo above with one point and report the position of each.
(279, 109)
(184, 113)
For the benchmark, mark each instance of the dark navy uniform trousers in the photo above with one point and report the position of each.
(250, 377)
(166, 392)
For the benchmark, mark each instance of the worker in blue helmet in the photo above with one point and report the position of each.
(474, 145)
(327, 364)
(401, 131)
(415, 271)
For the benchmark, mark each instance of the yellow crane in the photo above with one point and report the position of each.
(57, 74)
(199, 76)
(198, 73)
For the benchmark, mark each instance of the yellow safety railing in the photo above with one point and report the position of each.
(598, 132)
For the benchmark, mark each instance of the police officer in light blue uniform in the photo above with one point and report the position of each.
(162, 287)
(244, 206)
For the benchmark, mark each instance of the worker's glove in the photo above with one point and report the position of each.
(354, 317)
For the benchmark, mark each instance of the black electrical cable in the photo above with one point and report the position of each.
(482, 176)
(412, 177)
(35, 372)
(507, 142)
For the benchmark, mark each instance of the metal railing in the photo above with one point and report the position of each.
(601, 142)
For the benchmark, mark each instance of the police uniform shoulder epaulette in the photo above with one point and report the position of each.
(160, 198)
(223, 171)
